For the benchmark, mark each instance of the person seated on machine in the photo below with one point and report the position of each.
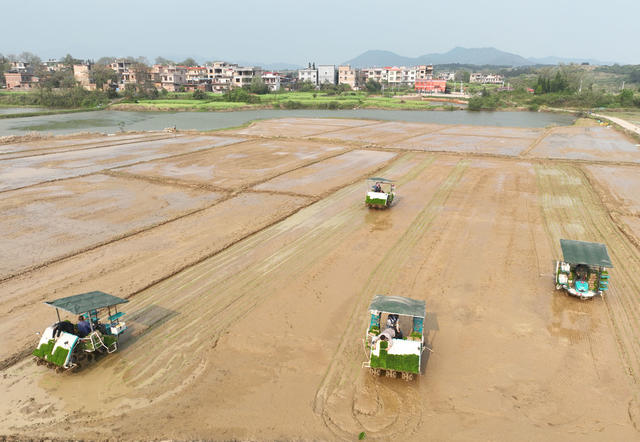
(377, 187)
(84, 328)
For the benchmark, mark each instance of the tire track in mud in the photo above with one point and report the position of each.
(536, 142)
(222, 289)
(584, 208)
(69, 148)
(345, 366)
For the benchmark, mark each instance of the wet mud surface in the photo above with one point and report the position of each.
(248, 299)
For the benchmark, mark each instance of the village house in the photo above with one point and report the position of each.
(220, 74)
(242, 76)
(272, 80)
(195, 74)
(327, 74)
(309, 74)
(82, 74)
(52, 65)
(19, 66)
(408, 76)
(20, 80)
(430, 86)
(393, 76)
(447, 76)
(121, 66)
(424, 72)
(346, 75)
(377, 74)
(479, 77)
(172, 77)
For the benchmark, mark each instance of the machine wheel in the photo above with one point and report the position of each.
(59, 369)
(558, 286)
(390, 374)
(375, 371)
(407, 376)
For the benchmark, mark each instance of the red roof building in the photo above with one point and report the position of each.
(430, 86)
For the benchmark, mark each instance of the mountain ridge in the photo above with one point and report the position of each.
(458, 55)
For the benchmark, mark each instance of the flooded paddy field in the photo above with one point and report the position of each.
(249, 260)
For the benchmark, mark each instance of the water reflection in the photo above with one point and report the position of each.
(572, 318)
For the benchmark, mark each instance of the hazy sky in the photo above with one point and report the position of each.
(325, 31)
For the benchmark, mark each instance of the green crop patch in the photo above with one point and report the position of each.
(376, 201)
(405, 363)
(44, 352)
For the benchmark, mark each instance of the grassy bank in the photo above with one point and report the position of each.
(285, 100)
(47, 112)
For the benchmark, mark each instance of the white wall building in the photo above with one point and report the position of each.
(272, 80)
(309, 74)
(327, 74)
(479, 77)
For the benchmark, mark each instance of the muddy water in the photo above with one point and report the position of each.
(113, 121)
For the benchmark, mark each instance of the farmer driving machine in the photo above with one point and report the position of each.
(380, 193)
(66, 345)
(583, 272)
(389, 349)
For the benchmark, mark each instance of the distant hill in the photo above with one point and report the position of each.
(458, 55)
(558, 60)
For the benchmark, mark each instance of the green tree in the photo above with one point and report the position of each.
(258, 86)
(463, 76)
(626, 98)
(69, 61)
(164, 61)
(372, 86)
(105, 61)
(188, 62)
(306, 86)
(33, 60)
(199, 95)
(101, 75)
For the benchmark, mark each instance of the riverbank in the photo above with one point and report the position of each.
(291, 100)
(45, 112)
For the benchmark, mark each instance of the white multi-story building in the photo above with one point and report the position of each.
(167, 77)
(377, 74)
(479, 77)
(309, 74)
(424, 72)
(447, 76)
(393, 75)
(327, 74)
(242, 76)
(221, 75)
(272, 80)
(408, 76)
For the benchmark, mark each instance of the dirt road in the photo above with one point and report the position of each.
(247, 314)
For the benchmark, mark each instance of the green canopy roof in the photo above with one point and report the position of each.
(85, 302)
(384, 180)
(398, 305)
(589, 253)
